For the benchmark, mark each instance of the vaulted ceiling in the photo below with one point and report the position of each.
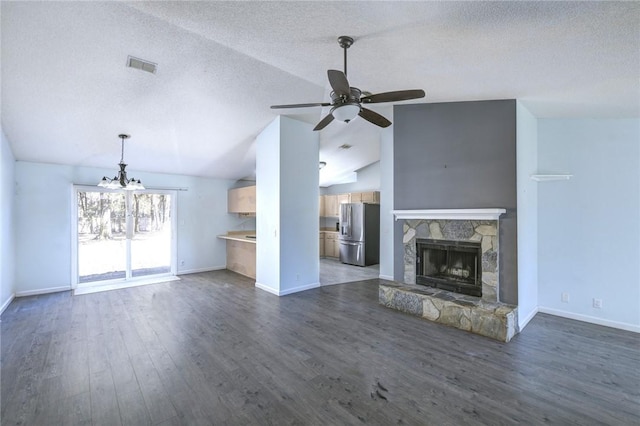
(67, 94)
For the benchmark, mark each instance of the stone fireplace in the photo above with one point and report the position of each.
(451, 271)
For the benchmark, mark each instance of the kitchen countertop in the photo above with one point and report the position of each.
(332, 230)
(243, 236)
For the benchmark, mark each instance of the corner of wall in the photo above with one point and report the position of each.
(7, 223)
(527, 206)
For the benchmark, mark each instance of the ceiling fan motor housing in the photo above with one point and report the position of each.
(353, 100)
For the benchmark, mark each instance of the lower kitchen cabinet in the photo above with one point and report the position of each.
(331, 244)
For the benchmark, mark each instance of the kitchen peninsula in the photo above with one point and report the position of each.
(241, 252)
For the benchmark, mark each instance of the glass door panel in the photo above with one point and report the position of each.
(101, 236)
(151, 234)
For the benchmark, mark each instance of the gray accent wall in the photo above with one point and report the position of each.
(459, 155)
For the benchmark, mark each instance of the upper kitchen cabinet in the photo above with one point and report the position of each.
(242, 200)
(343, 198)
(372, 197)
(330, 204)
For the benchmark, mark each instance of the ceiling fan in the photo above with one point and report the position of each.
(346, 101)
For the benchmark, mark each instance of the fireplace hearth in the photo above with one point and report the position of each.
(456, 281)
(450, 265)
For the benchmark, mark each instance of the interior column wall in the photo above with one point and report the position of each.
(527, 165)
(287, 198)
(387, 221)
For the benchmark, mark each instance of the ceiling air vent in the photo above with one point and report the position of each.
(141, 64)
(345, 146)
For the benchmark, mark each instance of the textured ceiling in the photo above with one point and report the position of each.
(66, 93)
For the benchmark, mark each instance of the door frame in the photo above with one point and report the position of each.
(75, 189)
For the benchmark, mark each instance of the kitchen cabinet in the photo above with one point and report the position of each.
(331, 208)
(242, 200)
(331, 244)
(372, 197)
(321, 238)
(330, 204)
(342, 199)
(321, 203)
(241, 252)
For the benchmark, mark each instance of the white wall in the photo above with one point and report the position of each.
(588, 227)
(527, 206)
(368, 179)
(287, 196)
(43, 221)
(7, 220)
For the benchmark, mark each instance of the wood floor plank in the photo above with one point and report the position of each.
(76, 410)
(213, 349)
(133, 409)
(104, 401)
(156, 398)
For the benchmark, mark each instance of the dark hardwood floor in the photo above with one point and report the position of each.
(212, 349)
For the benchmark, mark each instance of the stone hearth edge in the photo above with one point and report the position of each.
(495, 320)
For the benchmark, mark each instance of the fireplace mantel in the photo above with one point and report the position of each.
(450, 214)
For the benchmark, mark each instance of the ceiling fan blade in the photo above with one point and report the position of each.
(339, 82)
(374, 117)
(400, 95)
(319, 104)
(324, 122)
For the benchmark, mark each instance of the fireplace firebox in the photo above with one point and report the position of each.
(450, 265)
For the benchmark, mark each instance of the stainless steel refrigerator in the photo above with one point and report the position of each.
(359, 234)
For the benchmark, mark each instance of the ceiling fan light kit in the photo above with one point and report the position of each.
(120, 180)
(346, 101)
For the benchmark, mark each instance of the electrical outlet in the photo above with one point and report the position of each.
(297, 277)
(597, 303)
(564, 297)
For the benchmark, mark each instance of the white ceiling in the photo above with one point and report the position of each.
(66, 93)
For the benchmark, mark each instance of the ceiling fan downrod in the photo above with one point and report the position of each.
(345, 42)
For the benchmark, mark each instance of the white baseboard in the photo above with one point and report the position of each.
(385, 277)
(42, 291)
(288, 291)
(590, 319)
(522, 322)
(6, 304)
(267, 288)
(198, 270)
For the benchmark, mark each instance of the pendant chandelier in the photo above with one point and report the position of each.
(120, 181)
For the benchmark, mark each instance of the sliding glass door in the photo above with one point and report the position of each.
(151, 236)
(101, 236)
(123, 235)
